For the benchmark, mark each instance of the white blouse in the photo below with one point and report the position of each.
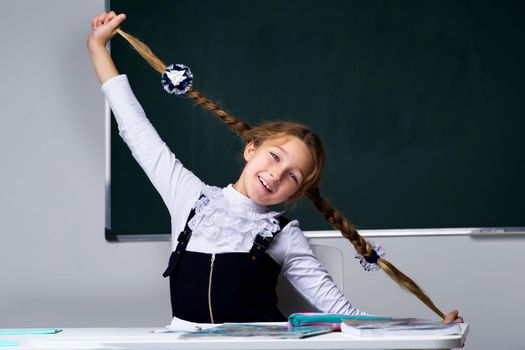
(225, 220)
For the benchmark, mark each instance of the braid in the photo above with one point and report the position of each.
(334, 217)
(408, 284)
(235, 124)
(338, 221)
(144, 51)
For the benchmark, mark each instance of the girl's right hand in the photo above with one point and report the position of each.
(104, 27)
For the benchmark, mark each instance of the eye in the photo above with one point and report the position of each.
(274, 156)
(293, 177)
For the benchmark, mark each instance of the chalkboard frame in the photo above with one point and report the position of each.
(111, 235)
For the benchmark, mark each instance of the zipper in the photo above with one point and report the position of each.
(209, 286)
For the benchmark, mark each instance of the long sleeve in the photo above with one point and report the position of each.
(306, 273)
(177, 186)
(180, 188)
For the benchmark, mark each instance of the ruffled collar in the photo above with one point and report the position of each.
(235, 198)
(224, 216)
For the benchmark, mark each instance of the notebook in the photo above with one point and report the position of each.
(281, 331)
(398, 327)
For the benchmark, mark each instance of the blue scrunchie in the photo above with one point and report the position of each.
(372, 258)
(177, 79)
(369, 263)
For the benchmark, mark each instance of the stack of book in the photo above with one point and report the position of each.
(302, 325)
(398, 327)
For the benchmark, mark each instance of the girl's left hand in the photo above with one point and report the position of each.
(453, 316)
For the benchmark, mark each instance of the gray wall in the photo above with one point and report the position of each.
(56, 269)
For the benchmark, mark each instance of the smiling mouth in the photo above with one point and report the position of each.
(265, 184)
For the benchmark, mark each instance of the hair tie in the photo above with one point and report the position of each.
(177, 79)
(369, 263)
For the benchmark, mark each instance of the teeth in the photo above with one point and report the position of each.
(265, 185)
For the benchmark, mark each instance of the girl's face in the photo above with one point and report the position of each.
(274, 170)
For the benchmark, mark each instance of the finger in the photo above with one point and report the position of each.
(103, 18)
(115, 23)
(97, 20)
(451, 316)
(109, 17)
(459, 320)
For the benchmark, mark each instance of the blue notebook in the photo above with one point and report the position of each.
(326, 319)
(259, 330)
(5, 343)
(28, 331)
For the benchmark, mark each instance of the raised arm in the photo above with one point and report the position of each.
(104, 27)
(178, 187)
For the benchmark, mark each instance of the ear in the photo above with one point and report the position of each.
(249, 150)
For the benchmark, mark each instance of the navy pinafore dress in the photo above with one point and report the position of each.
(225, 287)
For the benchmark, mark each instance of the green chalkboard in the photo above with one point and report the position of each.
(420, 104)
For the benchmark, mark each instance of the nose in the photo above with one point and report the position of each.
(276, 173)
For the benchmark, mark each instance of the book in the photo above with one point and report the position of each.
(7, 343)
(178, 325)
(398, 327)
(281, 331)
(29, 331)
(326, 319)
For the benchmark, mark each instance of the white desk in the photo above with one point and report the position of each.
(142, 338)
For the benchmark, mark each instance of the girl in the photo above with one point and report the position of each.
(229, 246)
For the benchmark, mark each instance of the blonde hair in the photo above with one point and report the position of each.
(271, 130)
(278, 129)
